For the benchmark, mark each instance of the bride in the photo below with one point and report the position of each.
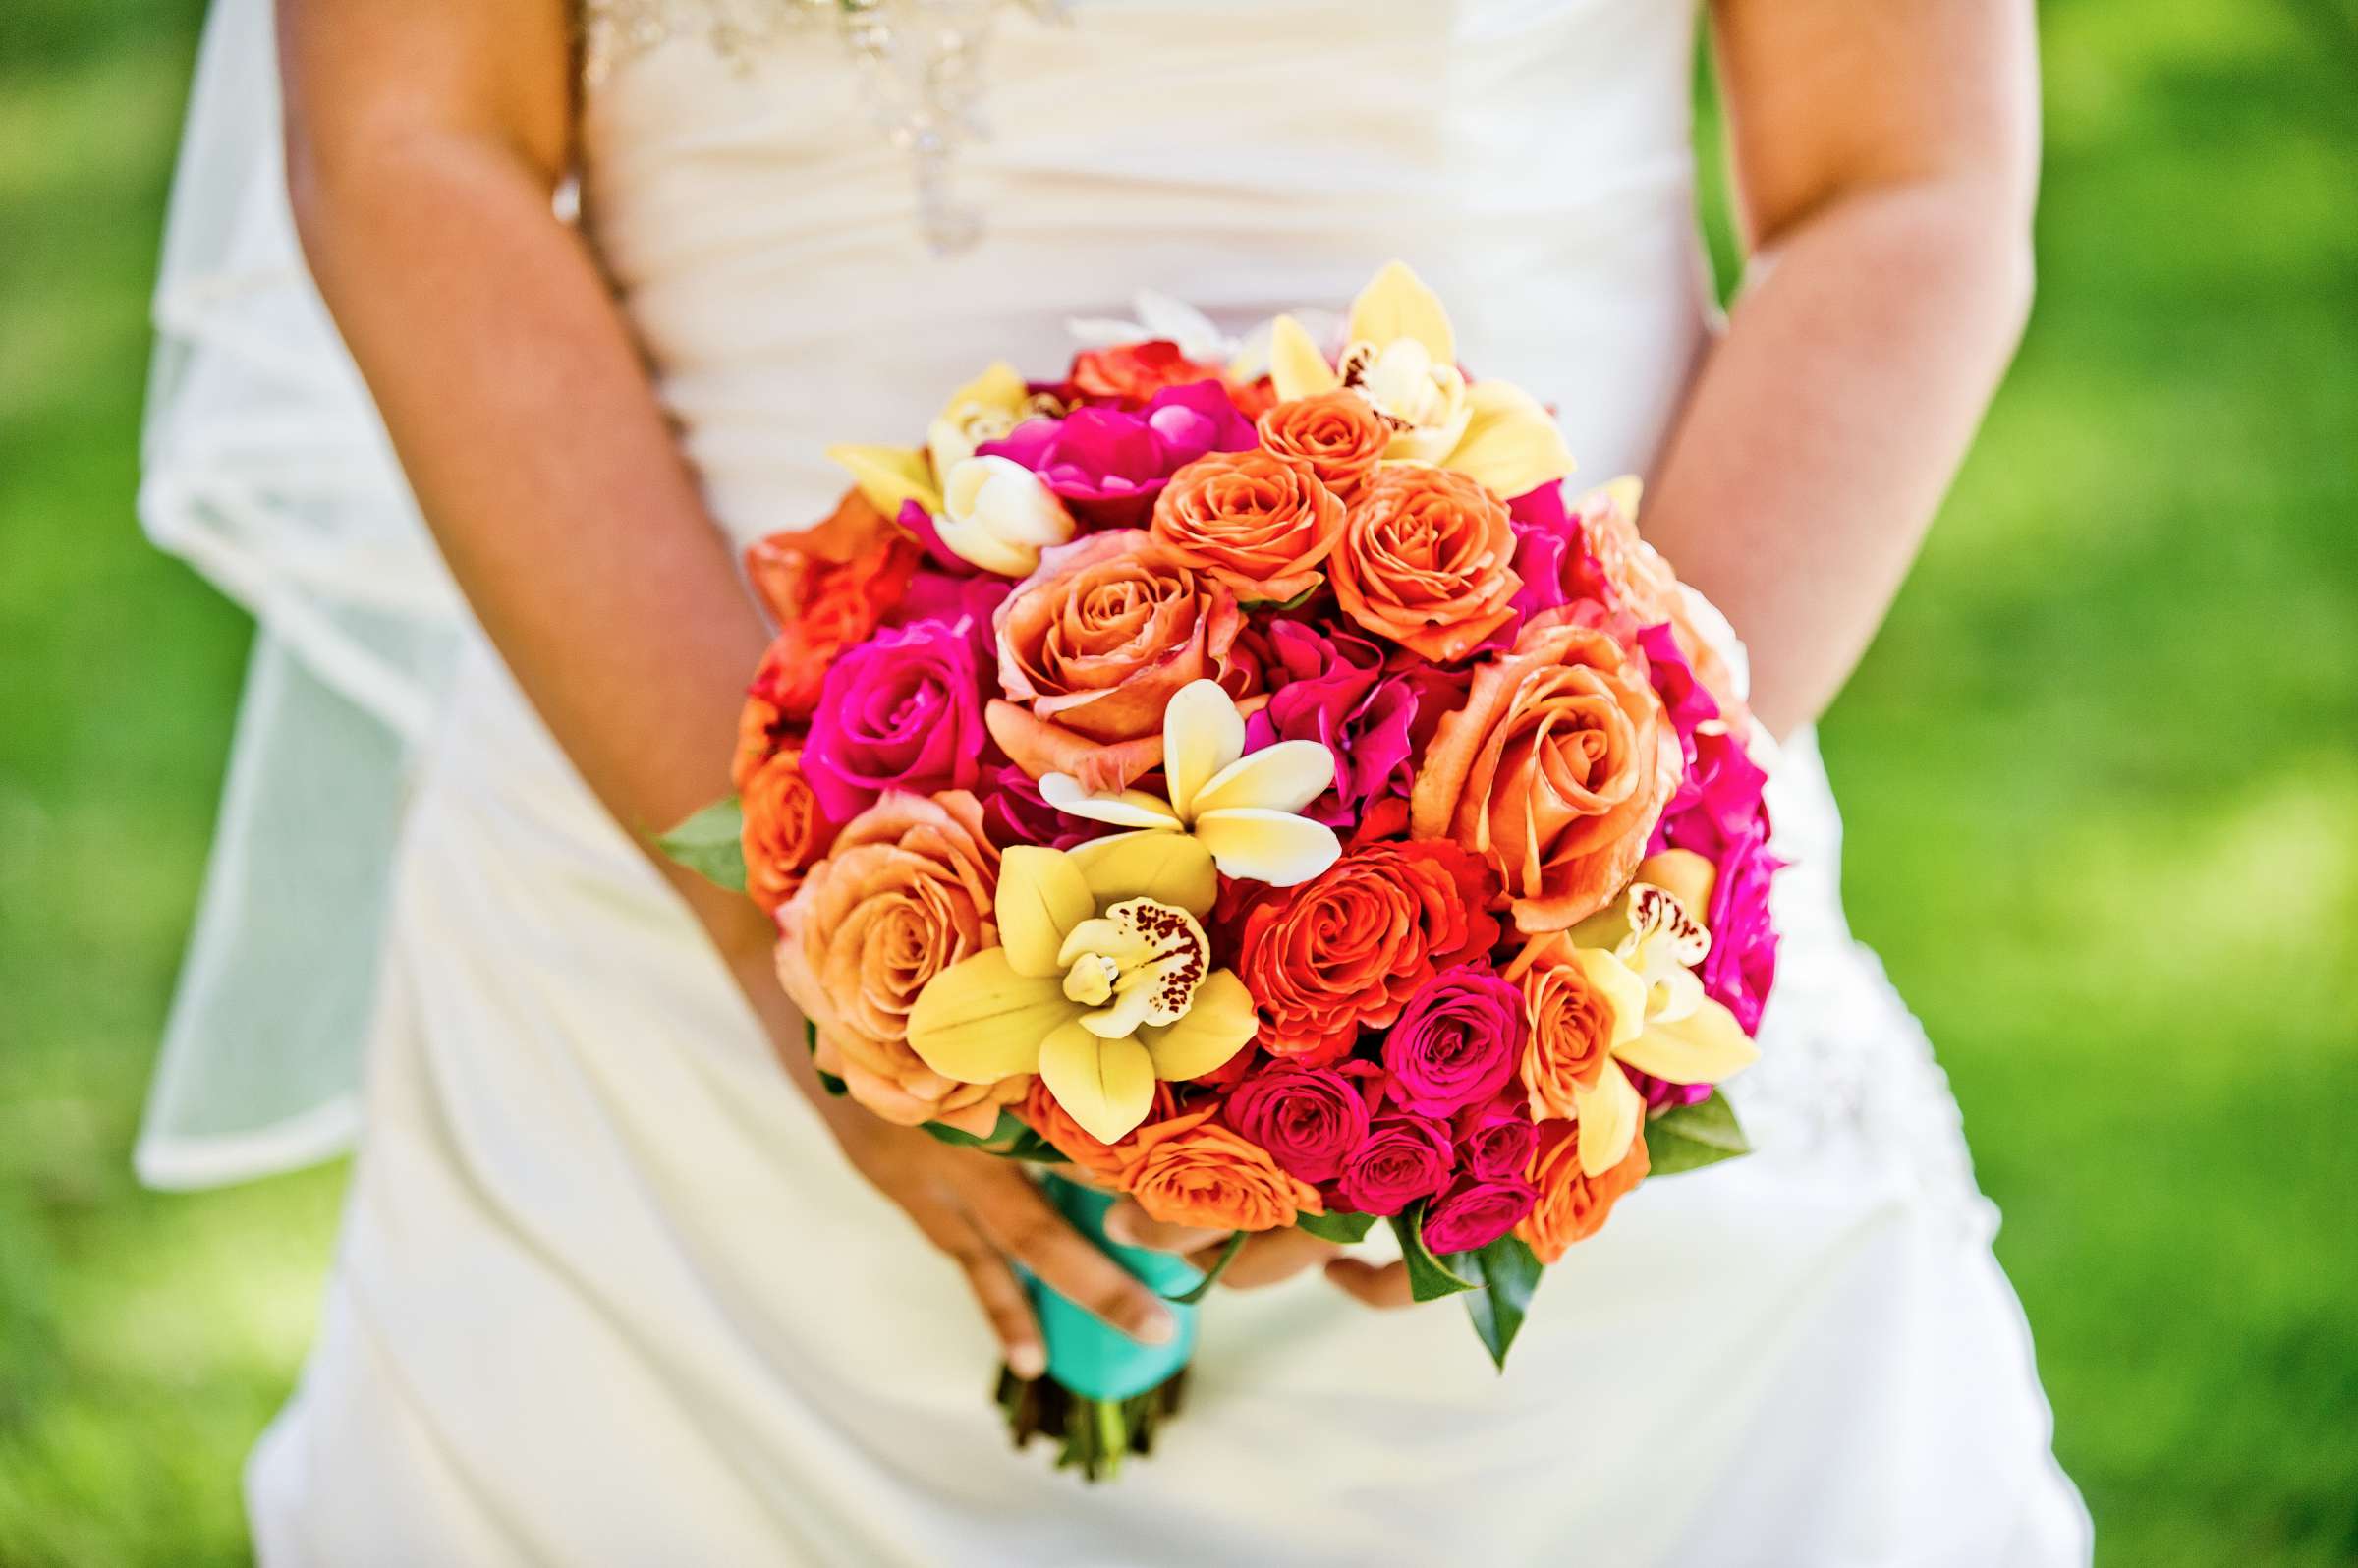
(616, 1283)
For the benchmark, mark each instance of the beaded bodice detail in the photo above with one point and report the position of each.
(920, 60)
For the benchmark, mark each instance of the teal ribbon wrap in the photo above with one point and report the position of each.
(1084, 1355)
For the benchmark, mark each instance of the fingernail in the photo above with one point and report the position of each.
(1027, 1361)
(1156, 1327)
(1117, 1228)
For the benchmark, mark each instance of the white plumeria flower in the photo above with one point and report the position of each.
(997, 514)
(1243, 813)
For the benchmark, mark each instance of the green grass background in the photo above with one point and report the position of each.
(2100, 775)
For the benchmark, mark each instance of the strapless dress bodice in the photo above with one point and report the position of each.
(1530, 159)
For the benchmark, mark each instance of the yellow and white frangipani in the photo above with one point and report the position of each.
(1102, 983)
(1402, 358)
(1640, 953)
(994, 513)
(1238, 812)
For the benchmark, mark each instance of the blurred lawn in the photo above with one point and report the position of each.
(2099, 771)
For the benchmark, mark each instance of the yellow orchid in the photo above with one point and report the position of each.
(1102, 983)
(984, 410)
(1639, 954)
(1402, 358)
(1238, 812)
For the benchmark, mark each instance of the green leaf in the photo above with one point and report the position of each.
(1005, 1132)
(1334, 1227)
(1219, 1265)
(1507, 1271)
(711, 844)
(1278, 606)
(1428, 1278)
(1691, 1136)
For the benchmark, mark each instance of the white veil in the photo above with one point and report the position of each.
(266, 467)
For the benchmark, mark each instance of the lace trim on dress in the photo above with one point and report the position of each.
(920, 62)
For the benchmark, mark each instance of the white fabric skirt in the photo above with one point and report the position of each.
(606, 1295)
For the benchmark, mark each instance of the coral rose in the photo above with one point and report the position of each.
(905, 893)
(783, 830)
(1349, 948)
(1556, 771)
(828, 588)
(1091, 647)
(1132, 372)
(1572, 1206)
(1190, 1170)
(1426, 559)
(1254, 521)
(762, 732)
(1580, 1005)
(1335, 433)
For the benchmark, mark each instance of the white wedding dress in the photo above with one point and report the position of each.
(605, 1294)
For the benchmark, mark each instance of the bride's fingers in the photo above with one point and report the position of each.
(1023, 1224)
(1004, 1303)
(1132, 1226)
(1378, 1285)
(1266, 1259)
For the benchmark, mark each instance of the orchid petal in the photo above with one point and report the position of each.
(1622, 989)
(1396, 304)
(1611, 1115)
(1682, 874)
(979, 548)
(1625, 492)
(1120, 1018)
(1510, 444)
(1168, 867)
(1297, 367)
(1219, 1023)
(1129, 808)
(1107, 1085)
(980, 1020)
(1197, 336)
(1702, 1048)
(1201, 734)
(1263, 846)
(1283, 777)
(888, 476)
(1000, 386)
(1042, 897)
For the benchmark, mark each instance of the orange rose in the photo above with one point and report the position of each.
(1424, 560)
(905, 893)
(1349, 947)
(1192, 1171)
(1556, 771)
(1336, 433)
(783, 830)
(1093, 645)
(1572, 1023)
(1572, 1206)
(1254, 521)
(1053, 1122)
(827, 587)
(762, 733)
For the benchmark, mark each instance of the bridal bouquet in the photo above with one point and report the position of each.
(1255, 789)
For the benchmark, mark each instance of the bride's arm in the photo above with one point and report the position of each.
(424, 142)
(1885, 161)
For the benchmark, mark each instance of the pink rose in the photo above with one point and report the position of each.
(1456, 1043)
(1496, 1139)
(1309, 1118)
(1402, 1159)
(1476, 1211)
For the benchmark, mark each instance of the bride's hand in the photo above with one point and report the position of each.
(987, 1216)
(1266, 1259)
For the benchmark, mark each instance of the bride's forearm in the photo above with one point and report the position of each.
(518, 407)
(1885, 159)
(1827, 422)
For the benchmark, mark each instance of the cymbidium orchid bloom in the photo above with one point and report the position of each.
(1641, 953)
(1241, 813)
(1402, 358)
(984, 410)
(1102, 983)
(996, 514)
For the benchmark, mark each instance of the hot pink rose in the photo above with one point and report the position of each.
(1456, 1043)
(1402, 1159)
(1309, 1118)
(1476, 1211)
(1496, 1139)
